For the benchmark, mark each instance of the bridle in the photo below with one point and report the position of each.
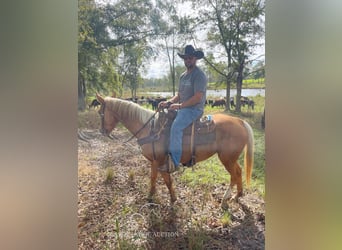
(101, 113)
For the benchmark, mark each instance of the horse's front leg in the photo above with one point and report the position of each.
(169, 183)
(154, 175)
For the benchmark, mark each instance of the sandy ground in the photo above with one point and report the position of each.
(114, 213)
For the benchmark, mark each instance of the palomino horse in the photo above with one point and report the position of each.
(233, 135)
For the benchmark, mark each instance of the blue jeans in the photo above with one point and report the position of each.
(183, 119)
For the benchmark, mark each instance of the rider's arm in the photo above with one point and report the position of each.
(174, 99)
(196, 98)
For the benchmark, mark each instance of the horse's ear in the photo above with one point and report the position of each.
(100, 98)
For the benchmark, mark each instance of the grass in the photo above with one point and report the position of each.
(109, 175)
(225, 219)
(207, 174)
(131, 175)
(196, 239)
(246, 84)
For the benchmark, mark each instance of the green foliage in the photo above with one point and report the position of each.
(130, 65)
(247, 84)
(207, 173)
(258, 174)
(109, 175)
(254, 81)
(197, 238)
(103, 32)
(225, 219)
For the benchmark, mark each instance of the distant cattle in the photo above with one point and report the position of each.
(155, 102)
(142, 100)
(232, 104)
(94, 103)
(219, 103)
(246, 101)
(132, 99)
(251, 104)
(209, 102)
(139, 100)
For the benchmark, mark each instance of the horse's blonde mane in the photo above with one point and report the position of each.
(128, 110)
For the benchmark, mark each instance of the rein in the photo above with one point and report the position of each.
(136, 133)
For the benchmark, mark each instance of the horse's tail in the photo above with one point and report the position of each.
(249, 152)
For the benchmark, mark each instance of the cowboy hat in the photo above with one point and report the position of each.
(190, 51)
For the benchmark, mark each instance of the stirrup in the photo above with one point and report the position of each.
(171, 166)
(164, 168)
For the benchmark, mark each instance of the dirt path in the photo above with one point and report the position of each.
(114, 213)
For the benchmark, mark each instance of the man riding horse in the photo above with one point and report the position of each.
(232, 135)
(189, 103)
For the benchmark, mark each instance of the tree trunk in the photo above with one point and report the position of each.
(239, 88)
(173, 72)
(228, 81)
(81, 92)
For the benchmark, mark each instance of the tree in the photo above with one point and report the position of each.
(258, 70)
(130, 65)
(216, 15)
(234, 26)
(104, 29)
(172, 30)
(87, 48)
(110, 78)
(247, 27)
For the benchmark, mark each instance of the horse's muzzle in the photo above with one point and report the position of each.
(104, 132)
(107, 134)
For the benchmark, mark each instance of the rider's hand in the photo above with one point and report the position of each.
(162, 104)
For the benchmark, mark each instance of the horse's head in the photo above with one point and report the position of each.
(108, 120)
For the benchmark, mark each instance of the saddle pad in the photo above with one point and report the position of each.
(200, 139)
(204, 125)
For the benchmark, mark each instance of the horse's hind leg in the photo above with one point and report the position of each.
(237, 179)
(234, 170)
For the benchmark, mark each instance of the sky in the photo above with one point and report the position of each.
(157, 68)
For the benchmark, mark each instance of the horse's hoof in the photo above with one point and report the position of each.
(235, 197)
(224, 205)
(150, 199)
